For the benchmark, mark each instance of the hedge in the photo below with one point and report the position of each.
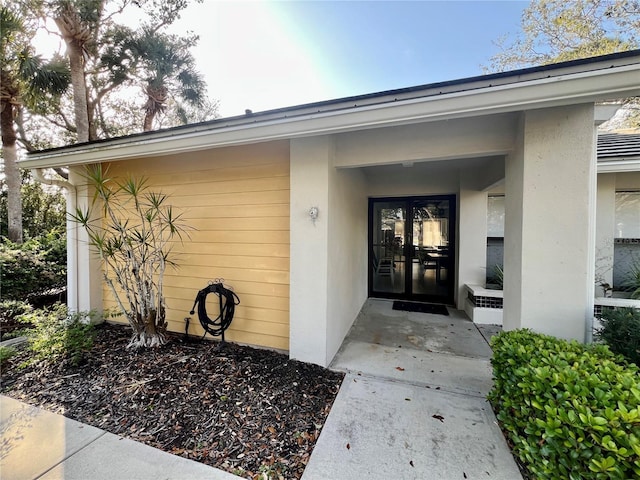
(569, 410)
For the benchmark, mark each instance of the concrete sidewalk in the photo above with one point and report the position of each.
(412, 405)
(39, 444)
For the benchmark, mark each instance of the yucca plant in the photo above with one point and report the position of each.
(133, 236)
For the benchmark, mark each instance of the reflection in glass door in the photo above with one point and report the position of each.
(388, 247)
(411, 248)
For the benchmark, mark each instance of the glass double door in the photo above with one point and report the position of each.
(411, 248)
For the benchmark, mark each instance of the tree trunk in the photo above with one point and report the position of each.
(68, 27)
(148, 332)
(156, 102)
(148, 121)
(10, 157)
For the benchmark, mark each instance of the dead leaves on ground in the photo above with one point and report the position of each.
(247, 411)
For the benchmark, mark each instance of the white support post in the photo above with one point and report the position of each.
(550, 223)
(84, 278)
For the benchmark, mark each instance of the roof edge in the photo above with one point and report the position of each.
(525, 88)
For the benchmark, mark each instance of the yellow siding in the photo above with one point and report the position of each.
(236, 200)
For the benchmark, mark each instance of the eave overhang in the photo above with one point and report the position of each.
(620, 165)
(600, 80)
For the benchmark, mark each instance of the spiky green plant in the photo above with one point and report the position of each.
(632, 282)
(133, 236)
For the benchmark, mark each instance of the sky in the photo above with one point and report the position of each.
(261, 55)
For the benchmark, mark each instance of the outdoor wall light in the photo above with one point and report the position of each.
(313, 214)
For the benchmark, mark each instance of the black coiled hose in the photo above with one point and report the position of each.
(228, 301)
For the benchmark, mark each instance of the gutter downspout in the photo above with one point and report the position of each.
(72, 246)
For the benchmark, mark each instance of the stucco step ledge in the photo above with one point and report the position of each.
(479, 291)
(617, 302)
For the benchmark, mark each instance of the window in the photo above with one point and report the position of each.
(495, 237)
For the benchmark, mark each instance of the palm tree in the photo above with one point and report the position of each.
(22, 75)
(166, 68)
(78, 22)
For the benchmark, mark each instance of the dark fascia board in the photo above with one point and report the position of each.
(388, 96)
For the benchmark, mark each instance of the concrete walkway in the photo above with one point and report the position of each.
(412, 405)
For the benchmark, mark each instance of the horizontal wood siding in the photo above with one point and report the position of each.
(236, 200)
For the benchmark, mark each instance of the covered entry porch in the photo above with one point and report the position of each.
(446, 351)
(549, 223)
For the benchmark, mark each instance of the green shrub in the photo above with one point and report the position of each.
(621, 331)
(32, 268)
(6, 353)
(11, 309)
(570, 411)
(56, 334)
(632, 282)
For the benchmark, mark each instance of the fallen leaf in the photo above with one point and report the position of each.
(400, 369)
(348, 446)
(438, 417)
(411, 463)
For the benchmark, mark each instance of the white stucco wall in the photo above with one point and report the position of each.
(471, 236)
(309, 174)
(550, 222)
(605, 225)
(453, 139)
(419, 179)
(328, 257)
(348, 254)
(628, 181)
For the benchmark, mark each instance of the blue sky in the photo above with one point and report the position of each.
(264, 54)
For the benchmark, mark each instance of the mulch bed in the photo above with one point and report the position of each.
(251, 412)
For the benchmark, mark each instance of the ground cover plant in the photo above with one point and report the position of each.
(251, 412)
(10, 325)
(57, 335)
(568, 410)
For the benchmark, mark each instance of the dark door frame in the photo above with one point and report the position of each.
(451, 274)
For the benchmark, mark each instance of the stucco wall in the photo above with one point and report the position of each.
(453, 139)
(605, 225)
(309, 250)
(424, 179)
(328, 255)
(550, 239)
(471, 233)
(237, 202)
(347, 288)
